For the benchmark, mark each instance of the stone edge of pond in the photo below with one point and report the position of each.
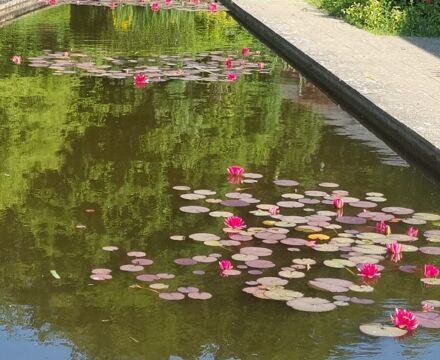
(14, 9)
(407, 143)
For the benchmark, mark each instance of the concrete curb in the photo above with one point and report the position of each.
(13, 9)
(416, 149)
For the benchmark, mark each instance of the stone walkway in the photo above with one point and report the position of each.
(394, 80)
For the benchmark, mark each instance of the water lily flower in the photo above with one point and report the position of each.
(235, 180)
(395, 248)
(369, 272)
(395, 258)
(383, 228)
(155, 6)
(338, 203)
(427, 307)
(404, 319)
(212, 7)
(311, 243)
(274, 210)
(225, 265)
(412, 231)
(235, 223)
(229, 63)
(235, 170)
(231, 76)
(140, 80)
(16, 59)
(52, 2)
(261, 65)
(113, 5)
(431, 271)
(168, 3)
(245, 52)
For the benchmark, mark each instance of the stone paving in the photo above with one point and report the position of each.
(399, 75)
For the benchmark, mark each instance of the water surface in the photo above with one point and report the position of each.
(75, 142)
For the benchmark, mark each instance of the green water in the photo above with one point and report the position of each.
(74, 142)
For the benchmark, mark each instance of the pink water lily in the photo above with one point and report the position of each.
(368, 272)
(383, 228)
(52, 2)
(235, 223)
(235, 180)
(412, 231)
(261, 65)
(245, 52)
(225, 265)
(404, 319)
(231, 76)
(274, 210)
(235, 170)
(229, 63)
(212, 7)
(395, 248)
(155, 6)
(16, 59)
(168, 3)
(427, 307)
(140, 80)
(395, 258)
(338, 203)
(431, 271)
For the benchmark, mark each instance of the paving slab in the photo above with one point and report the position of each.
(391, 83)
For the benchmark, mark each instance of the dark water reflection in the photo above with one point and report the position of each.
(70, 143)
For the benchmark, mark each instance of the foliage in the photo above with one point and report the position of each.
(399, 17)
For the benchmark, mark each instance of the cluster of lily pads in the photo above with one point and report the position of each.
(212, 66)
(189, 5)
(324, 229)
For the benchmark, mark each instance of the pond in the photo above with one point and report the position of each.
(89, 160)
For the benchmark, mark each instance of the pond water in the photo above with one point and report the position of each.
(89, 160)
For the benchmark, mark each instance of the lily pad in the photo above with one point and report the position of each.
(285, 182)
(204, 237)
(185, 261)
(311, 304)
(430, 281)
(172, 296)
(200, 295)
(194, 209)
(283, 294)
(257, 251)
(272, 281)
(339, 263)
(131, 268)
(375, 329)
(291, 274)
(361, 288)
(430, 250)
(260, 264)
(147, 277)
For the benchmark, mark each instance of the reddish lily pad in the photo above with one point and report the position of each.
(260, 264)
(256, 251)
(430, 250)
(101, 271)
(235, 203)
(147, 277)
(430, 319)
(143, 262)
(131, 268)
(172, 296)
(351, 220)
(200, 295)
(185, 261)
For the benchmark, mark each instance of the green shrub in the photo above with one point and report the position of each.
(402, 17)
